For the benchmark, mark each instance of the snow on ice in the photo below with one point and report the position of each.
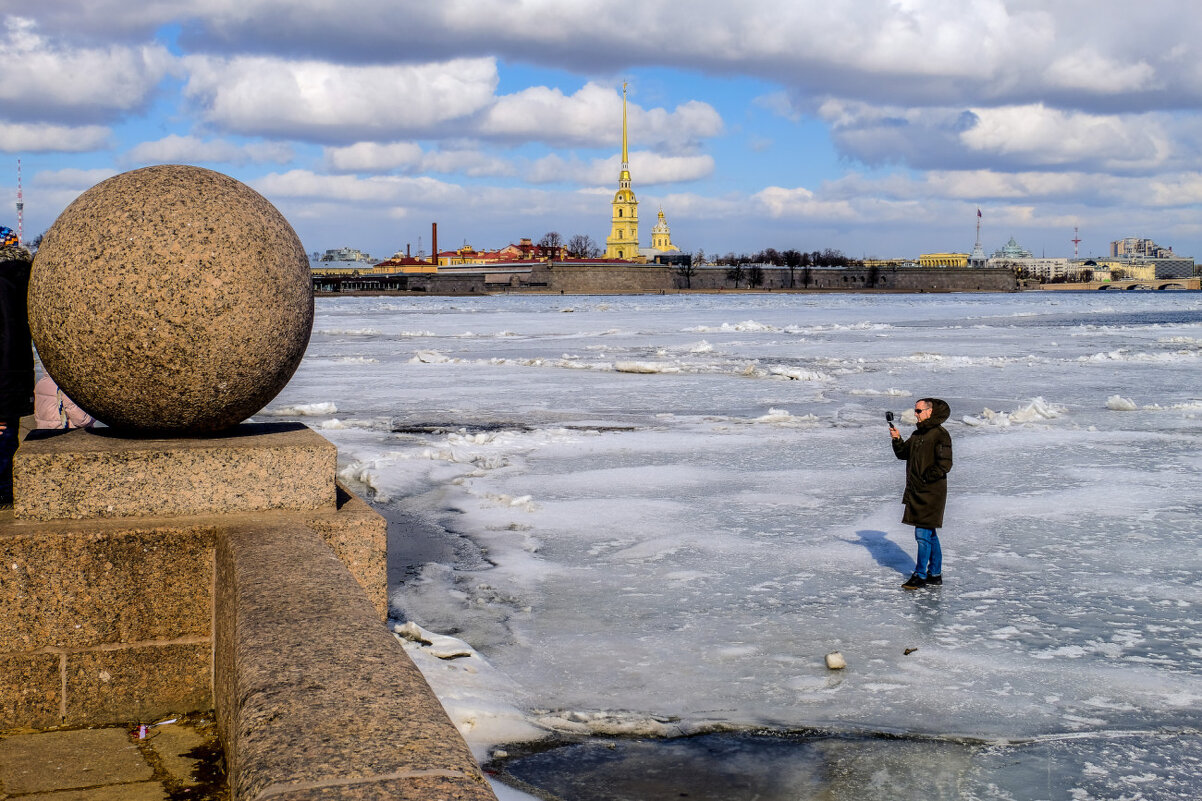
(641, 533)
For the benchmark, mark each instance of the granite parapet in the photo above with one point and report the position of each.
(312, 692)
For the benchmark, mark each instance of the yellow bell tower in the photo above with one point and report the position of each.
(661, 235)
(623, 239)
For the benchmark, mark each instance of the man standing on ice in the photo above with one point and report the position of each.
(928, 455)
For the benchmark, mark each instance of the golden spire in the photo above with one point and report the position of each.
(625, 154)
(623, 240)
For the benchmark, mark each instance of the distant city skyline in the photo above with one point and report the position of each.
(877, 128)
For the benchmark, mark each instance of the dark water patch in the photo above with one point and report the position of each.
(458, 428)
(496, 427)
(827, 767)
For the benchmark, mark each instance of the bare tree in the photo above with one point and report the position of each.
(792, 260)
(755, 276)
(687, 270)
(582, 246)
(736, 274)
(874, 275)
(551, 246)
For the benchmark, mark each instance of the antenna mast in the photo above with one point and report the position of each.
(1076, 240)
(20, 207)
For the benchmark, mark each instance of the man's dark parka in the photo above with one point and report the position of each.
(16, 346)
(928, 455)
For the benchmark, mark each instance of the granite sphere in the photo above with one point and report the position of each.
(171, 300)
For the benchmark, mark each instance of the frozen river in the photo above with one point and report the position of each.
(654, 516)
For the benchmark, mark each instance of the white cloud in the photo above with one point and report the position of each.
(175, 149)
(56, 189)
(592, 116)
(779, 103)
(988, 184)
(473, 163)
(941, 52)
(799, 202)
(1090, 71)
(646, 169)
(73, 178)
(408, 157)
(44, 137)
(351, 189)
(335, 102)
(62, 81)
(374, 156)
(1014, 137)
(1039, 135)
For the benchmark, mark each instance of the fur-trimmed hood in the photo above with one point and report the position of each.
(940, 411)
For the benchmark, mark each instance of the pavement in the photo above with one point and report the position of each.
(178, 759)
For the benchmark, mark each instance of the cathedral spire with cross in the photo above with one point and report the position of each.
(623, 239)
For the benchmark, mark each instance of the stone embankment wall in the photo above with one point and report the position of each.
(580, 279)
(600, 279)
(898, 279)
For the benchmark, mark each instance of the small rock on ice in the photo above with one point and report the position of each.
(835, 661)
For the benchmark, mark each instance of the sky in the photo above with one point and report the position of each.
(877, 128)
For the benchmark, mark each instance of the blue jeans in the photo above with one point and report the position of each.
(930, 555)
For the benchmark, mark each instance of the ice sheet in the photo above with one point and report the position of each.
(668, 532)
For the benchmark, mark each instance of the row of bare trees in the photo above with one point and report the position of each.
(783, 258)
(748, 269)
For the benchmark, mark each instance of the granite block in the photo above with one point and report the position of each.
(138, 684)
(311, 688)
(98, 474)
(31, 691)
(358, 535)
(79, 585)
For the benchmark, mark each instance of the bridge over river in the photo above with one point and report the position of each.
(1130, 284)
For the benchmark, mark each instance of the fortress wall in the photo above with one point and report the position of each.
(902, 279)
(601, 278)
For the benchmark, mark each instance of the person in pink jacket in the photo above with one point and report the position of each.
(53, 409)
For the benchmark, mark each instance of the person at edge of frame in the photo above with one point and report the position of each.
(928, 455)
(16, 354)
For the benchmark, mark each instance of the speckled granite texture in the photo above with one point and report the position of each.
(83, 474)
(171, 300)
(358, 536)
(31, 690)
(118, 612)
(315, 698)
(94, 584)
(105, 622)
(138, 683)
